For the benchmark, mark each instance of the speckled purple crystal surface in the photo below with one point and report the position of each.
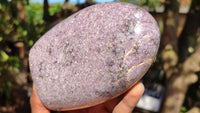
(94, 55)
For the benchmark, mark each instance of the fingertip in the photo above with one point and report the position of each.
(138, 87)
(127, 104)
(36, 104)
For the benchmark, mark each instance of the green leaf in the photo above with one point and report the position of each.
(16, 21)
(24, 32)
(9, 84)
(1, 38)
(183, 109)
(13, 61)
(30, 43)
(3, 56)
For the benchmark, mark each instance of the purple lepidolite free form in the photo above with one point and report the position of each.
(94, 55)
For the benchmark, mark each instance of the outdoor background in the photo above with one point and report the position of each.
(173, 80)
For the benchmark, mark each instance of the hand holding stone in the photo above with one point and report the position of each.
(126, 105)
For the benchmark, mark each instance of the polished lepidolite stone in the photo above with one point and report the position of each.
(94, 55)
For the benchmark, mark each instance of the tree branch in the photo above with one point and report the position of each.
(194, 110)
(191, 65)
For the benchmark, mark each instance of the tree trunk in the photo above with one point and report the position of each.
(178, 77)
(174, 93)
(169, 40)
(171, 23)
(188, 34)
(46, 10)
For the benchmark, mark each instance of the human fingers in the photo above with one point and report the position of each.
(36, 104)
(127, 104)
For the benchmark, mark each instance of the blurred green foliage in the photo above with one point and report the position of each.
(34, 14)
(54, 8)
(150, 3)
(13, 30)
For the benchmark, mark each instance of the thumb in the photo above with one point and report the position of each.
(36, 104)
(128, 103)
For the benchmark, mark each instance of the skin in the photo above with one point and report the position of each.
(123, 104)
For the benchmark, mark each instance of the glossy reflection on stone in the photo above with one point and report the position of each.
(93, 55)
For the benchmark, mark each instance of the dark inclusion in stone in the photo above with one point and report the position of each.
(93, 55)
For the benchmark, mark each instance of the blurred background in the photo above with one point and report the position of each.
(172, 83)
